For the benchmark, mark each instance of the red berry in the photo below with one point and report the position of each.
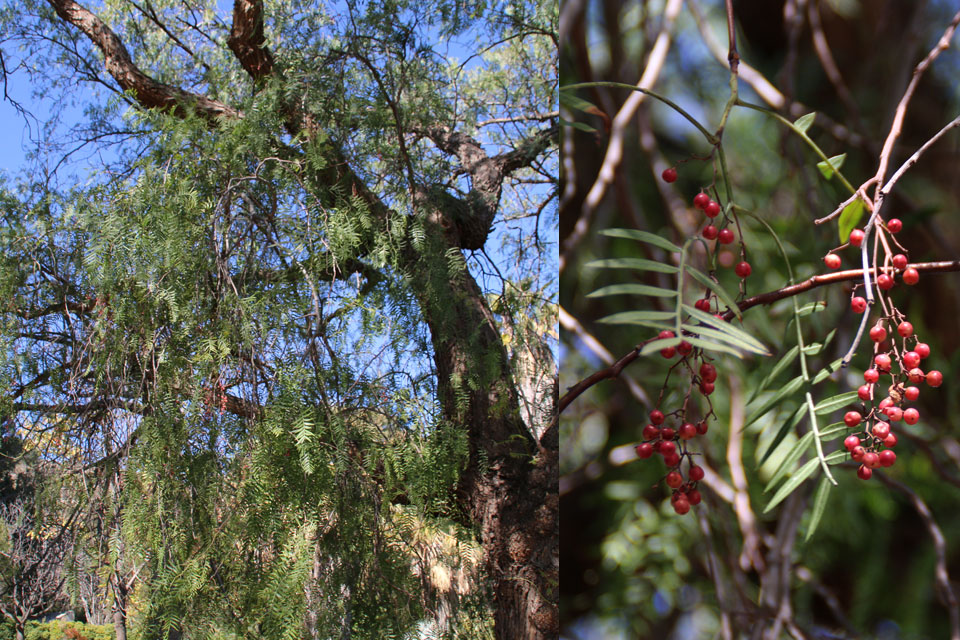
(656, 416)
(693, 496)
(899, 262)
(672, 460)
(916, 375)
(742, 269)
(858, 304)
(684, 348)
(669, 175)
(668, 352)
(871, 460)
(688, 431)
(887, 458)
(912, 393)
(681, 506)
(702, 427)
(712, 209)
(894, 225)
(703, 304)
(851, 441)
(911, 359)
(864, 473)
(934, 378)
(852, 418)
(886, 402)
(890, 441)
(856, 237)
(858, 453)
(708, 372)
(650, 432)
(877, 334)
(911, 276)
(667, 448)
(911, 416)
(832, 261)
(663, 335)
(881, 430)
(700, 200)
(710, 232)
(871, 375)
(667, 433)
(922, 349)
(644, 450)
(864, 392)
(725, 236)
(884, 281)
(695, 473)
(706, 388)
(674, 479)
(905, 329)
(883, 362)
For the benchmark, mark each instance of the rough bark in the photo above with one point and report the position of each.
(509, 488)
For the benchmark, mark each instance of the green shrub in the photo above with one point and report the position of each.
(57, 630)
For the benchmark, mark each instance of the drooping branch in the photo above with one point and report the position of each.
(770, 297)
(149, 93)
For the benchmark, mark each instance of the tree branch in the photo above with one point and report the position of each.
(149, 93)
(770, 297)
(247, 40)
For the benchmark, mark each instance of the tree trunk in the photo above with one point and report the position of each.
(509, 488)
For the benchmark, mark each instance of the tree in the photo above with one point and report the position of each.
(306, 298)
(758, 287)
(32, 555)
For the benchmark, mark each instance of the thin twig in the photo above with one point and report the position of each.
(939, 547)
(614, 153)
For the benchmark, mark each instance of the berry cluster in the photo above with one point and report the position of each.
(897, 354)
(872, 446)
(722, 232)
(670, 442)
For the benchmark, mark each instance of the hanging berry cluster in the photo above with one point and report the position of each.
(895, 365)
(669, 435)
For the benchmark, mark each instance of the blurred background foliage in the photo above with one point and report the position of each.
(631, 568)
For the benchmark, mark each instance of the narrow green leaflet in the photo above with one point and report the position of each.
(778, 368)
(577, 125)
(803, 122)
(657, 345)
(798, 449)
(849, 219)
(787, 427)
(827, 371)
(785, 391)
(833, 431)
(735, 341)
(712, 346)
(835, 402)
(819, 505)
(637, 264)
(571, 101)
(653, 319)
(831, 167)
(812, 307)
(725, 297)
(632, 288)
(796, 479)
(725, 327)
(642, 236)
